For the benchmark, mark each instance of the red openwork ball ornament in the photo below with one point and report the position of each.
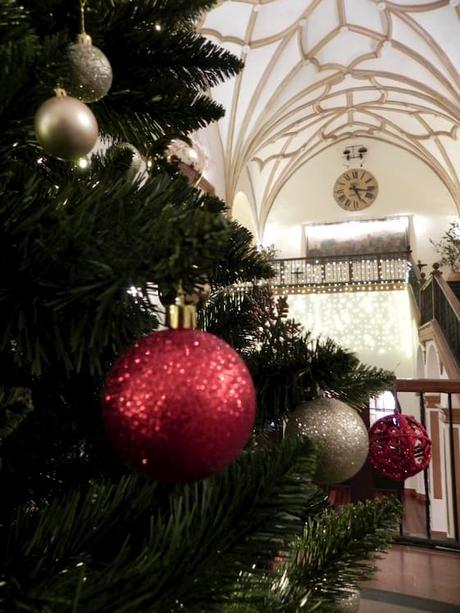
(179, 405)
(399, 447)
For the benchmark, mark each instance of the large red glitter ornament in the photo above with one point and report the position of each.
(399, 447)
(179, 405)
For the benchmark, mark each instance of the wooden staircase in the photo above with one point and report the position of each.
(436, 305)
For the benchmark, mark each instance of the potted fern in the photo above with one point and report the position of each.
(449, 250)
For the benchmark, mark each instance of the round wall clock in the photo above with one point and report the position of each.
(355, 189)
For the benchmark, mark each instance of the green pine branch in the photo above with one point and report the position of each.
(112, 235)
(132, 118)
(131, 546)
(340, 372)
(287, 365)
(15, 405)
(171, 58)
(181, 13)
(229, 316)
(337, 551)
(14, 21)
(242, 261)
(159, 76)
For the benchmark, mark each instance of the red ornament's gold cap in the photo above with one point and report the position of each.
(181, 316)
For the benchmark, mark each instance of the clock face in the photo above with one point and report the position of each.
(355, 189)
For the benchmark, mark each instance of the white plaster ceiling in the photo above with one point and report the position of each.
(321, 72)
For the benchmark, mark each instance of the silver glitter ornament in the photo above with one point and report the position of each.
(90, 73)
(349, 602)
(340, 433)
(65, 127)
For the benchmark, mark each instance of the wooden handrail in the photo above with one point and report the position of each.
(345, 256)
(428, 385)
(448, 293)
(427, 281)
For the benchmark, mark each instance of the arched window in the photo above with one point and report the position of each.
(381, 405)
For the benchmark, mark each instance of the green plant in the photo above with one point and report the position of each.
(449, 247)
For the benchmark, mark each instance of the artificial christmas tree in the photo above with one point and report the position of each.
(83, 254)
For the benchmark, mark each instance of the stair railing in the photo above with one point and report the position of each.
(438, 302)
(441, 480)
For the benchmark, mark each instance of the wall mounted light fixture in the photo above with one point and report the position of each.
(355, 152)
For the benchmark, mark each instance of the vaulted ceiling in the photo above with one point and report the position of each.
(321, 72)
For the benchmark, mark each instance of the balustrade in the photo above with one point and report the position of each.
(341, 273)
(438, 493)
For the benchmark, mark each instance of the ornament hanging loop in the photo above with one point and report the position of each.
(398, 409)
(60, 92)
(82, 15)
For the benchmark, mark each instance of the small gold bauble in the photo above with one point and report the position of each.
(65, 127)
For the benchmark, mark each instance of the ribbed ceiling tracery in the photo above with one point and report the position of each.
(319, 72)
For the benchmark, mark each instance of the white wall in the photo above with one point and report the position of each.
(242, 212)
(210, 141)
(406, 186)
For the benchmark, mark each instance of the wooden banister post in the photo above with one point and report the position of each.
(435, 289)
(421, 296)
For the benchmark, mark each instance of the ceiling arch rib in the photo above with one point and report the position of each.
(319, 72)
(275, 183)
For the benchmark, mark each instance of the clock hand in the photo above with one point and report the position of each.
(356, 190)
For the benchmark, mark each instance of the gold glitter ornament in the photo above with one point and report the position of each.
(90, 73)
(65, 127)
(340, 434)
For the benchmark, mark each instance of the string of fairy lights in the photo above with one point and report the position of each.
(375, 325)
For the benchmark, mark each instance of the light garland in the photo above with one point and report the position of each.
(365, 286)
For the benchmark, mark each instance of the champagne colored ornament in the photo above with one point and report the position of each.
(138, 168)
(340, 433)
(399, 446)
(65, 127)
(193, 156)
(90, 73)
(179, 404)
(190, 160)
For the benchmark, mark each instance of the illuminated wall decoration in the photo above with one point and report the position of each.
(358, 237)
(377, 326)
